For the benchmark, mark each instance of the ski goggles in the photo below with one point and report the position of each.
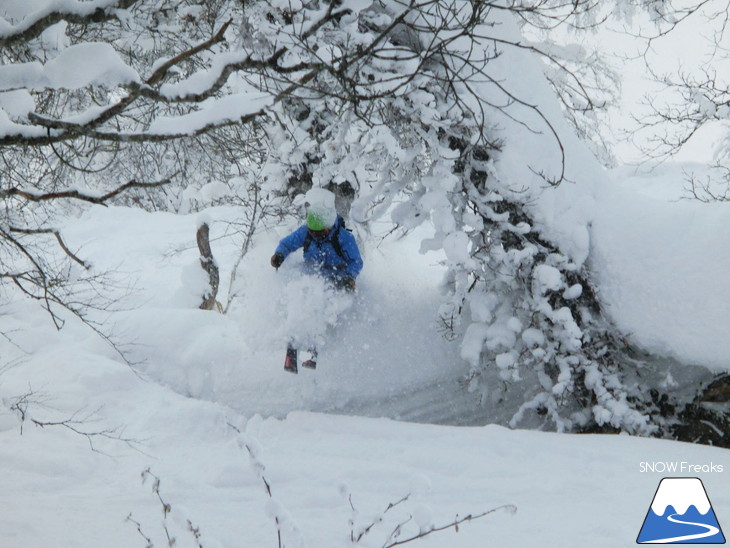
(319, 234)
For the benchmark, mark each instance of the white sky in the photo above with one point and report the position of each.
(687, 49)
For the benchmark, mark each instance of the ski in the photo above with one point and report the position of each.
(311, 363)
(290, 362)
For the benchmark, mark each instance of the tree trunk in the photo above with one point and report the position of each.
(209, 265)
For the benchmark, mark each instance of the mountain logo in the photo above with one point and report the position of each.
(681, 513)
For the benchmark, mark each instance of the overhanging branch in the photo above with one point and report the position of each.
(77, 195)
(82, 13)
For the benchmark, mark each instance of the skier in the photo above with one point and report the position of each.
(330, 251)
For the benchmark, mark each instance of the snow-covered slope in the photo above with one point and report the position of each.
(204, 376)
(385, 343)
(323, 471)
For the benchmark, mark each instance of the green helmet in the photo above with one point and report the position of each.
(315, 221)
(320, 218)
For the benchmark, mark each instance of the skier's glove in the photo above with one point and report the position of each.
(277, 259)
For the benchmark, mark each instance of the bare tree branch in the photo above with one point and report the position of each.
(77, 195)
(59, 239)
(454, 524)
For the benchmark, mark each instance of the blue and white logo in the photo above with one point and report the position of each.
(681, 513)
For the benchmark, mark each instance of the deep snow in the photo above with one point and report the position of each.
(569, 490)
(198, 378)
(202, 375)
(661, 261)
(386, 342)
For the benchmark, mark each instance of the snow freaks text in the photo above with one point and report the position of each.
(680, 467)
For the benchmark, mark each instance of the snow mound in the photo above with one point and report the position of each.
(662, 263)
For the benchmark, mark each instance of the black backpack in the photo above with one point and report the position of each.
(334, 240)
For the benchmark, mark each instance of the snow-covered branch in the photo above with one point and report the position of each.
(167, 528)
(55, 11)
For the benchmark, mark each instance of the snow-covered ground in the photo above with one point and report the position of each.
(200, 377)
(324, 471)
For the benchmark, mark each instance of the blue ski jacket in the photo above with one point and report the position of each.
(324, 256)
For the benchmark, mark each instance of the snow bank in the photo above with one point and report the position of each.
(323, 470)
(542, 148)
(662, 266)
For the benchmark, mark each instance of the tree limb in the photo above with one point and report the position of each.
(57, 234)
(77, 195)
(29, 29)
